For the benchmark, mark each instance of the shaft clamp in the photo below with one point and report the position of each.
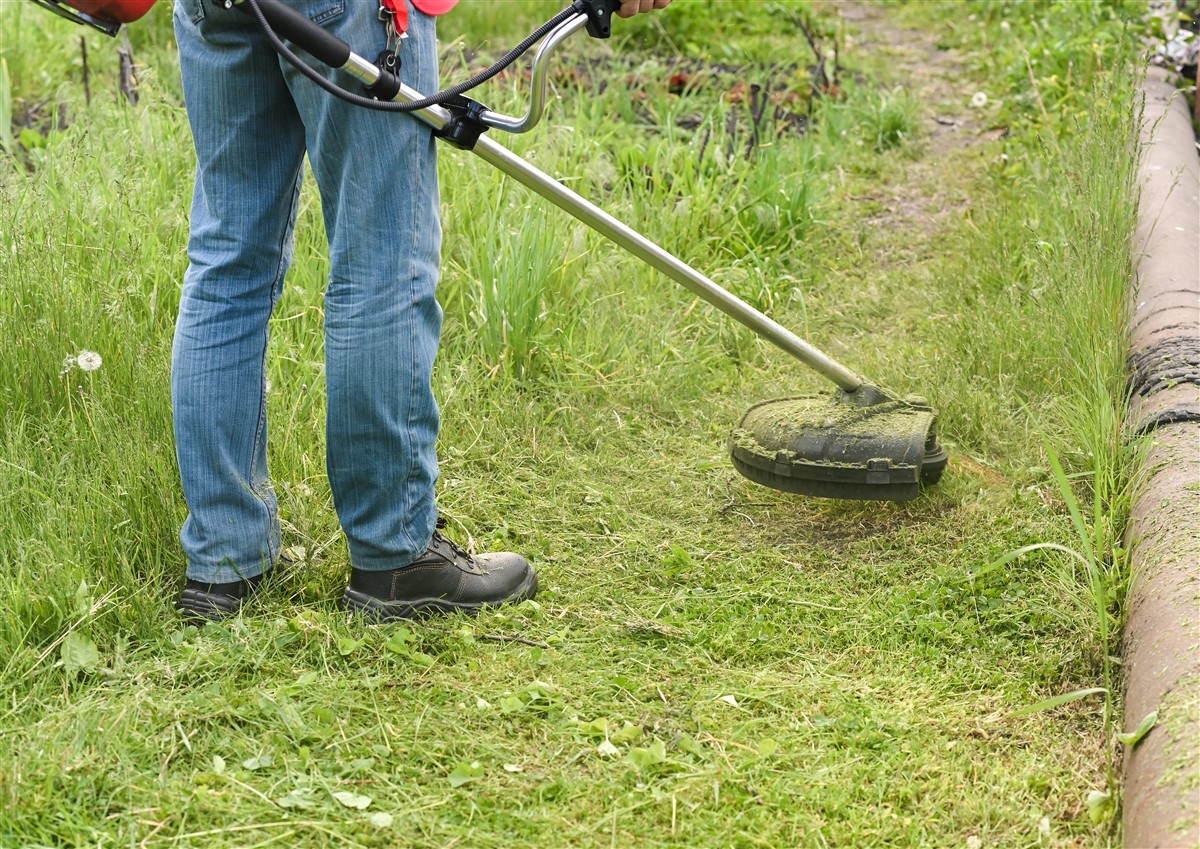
(465, 125)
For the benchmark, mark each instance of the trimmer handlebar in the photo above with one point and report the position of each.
(595, 15)
(599, 14)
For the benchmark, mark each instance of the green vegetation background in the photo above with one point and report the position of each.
(710, 663)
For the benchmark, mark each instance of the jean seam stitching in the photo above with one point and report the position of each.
(411, 273)
(259, 430)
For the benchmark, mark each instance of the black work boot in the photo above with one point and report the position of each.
(200, 602)
(442, 580)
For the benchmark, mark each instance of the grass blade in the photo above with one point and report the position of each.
(1064, 485)
(1017, 553)
(1060, 700)
(6, 136)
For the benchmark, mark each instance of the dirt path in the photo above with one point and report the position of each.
(951, 127)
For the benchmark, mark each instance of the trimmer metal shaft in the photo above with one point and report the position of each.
(627, 238)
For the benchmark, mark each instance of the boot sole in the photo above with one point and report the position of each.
(371, 607)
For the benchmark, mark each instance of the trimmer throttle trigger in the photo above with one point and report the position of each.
(599, 14)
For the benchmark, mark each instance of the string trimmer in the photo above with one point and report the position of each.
(859, 442)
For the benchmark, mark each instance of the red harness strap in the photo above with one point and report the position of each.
(435, 7)
(398, 11)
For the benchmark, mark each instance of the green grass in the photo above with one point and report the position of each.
(709, 663)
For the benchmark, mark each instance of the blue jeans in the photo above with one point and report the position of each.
(253, 117)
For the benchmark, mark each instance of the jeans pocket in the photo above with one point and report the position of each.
(319, 11)
(193, 10)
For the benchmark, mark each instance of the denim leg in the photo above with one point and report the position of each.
(377, 174)
(250, 148)
(252, 118)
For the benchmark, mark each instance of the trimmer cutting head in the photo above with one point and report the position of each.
(862, 445)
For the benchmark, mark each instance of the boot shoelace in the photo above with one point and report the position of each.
(458, 550)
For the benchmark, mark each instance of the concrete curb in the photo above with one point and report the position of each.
(1162, 635)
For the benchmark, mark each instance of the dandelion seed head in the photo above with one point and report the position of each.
(979, 100)
(88, 360)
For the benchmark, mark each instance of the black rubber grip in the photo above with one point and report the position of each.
(292, 25)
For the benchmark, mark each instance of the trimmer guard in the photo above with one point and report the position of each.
(862, 445)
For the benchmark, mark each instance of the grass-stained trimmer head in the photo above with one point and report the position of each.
(862, 445)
